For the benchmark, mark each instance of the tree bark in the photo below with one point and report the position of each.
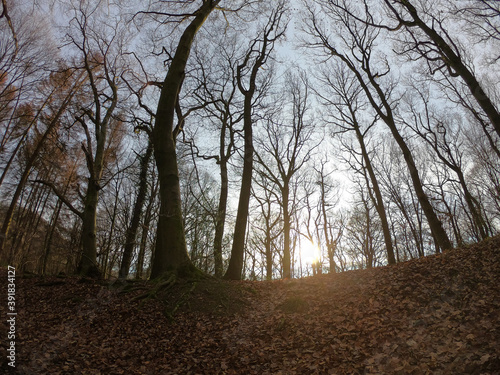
(221, 218)
(376, 197)
(170, 250)
(286, 231)
(236, 262)
(131, 234)
(88, 263)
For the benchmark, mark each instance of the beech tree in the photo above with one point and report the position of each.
(440, 50)
(343, 99)
(285, 149)
(220, 105)
(248, 70)
(170, 250)
(103, 64)
(356, 51)
(428, 38)
(412, 105)
(98, 46)
(265, 226)
(131, 233)
(442, 136)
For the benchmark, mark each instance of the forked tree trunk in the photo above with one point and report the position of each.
(235, 268)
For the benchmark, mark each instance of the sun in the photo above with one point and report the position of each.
(309, 252)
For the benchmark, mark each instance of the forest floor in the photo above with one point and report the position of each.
(435, 315)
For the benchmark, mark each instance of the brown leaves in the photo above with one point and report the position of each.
(434, 315)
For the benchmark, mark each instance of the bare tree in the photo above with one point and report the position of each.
(27, 56)
(170, 250)
(131, 234)
(99, 50)
(266, 225)
(347, 103)
(429, 39)
(483, 18)
(332, 228)
(364, 234)
(359, 38)
(221, 108)
(255, 58)
(284, 151)
(403, 208)
(438, 133)
(102, 62)
(150, 217)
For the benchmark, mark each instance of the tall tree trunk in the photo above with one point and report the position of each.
(88, 265)
(131, 234)
(362, 52)
(221, 218)
(50, 236)
(237, 251)
(376, 197)
(286, 231)
(474, 208)
(170, 249)
(148, 216)
(234, 271)
(142, 250)
(269, 256)
(435, 224)
(330, 246)
(88, 262)
(28, 223)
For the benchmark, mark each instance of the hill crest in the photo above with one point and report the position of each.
(439, 314)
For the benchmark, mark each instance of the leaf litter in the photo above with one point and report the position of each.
(435, 315)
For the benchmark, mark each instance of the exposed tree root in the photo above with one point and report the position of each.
(162, 284)
(170, 314)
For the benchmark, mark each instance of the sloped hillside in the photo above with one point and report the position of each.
(437, 315)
